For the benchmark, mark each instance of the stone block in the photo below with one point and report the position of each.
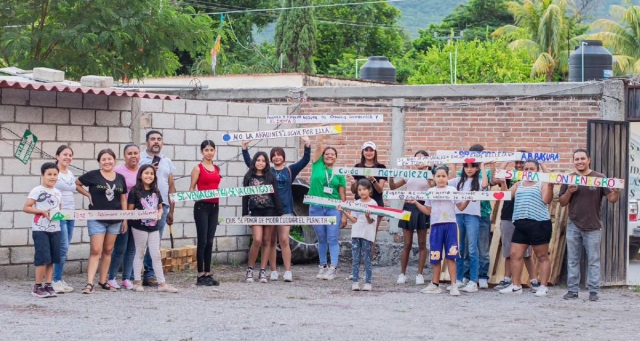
(91, 101)
(15, 96)
(186, 152)
(11, 237)
(120, 103)
(7, 220)
(166, 243)
(173, 137)
(154, 105)
(83, 150)
(8, 149)
(258, 110)
(113, 146)
(91, 164)
(167, 151)
(14, 201)
(189, 230)
(43, 98)
(195, 137)
(218, 108)
(14, 271)
(21, 219)
(108, 118)
(55, 116)
(196, 107)
(24, 184)
(185, 121)
(95, 134)
(78, 251)
(14, 132)
(47, 74)
(207, 122)
(236, 169)
(220, 258)
(5, 185)
(229, 124)
(227, 211)
(70, 133)
(14, 167)
(83, 117)
(125, 118)
(176, 106)
(69, 100)
(72, 267)
(5, 253)
(119, 135)
(36, 164)
(249, 124)
(237, 230)
(225, 244)
(238, 257)
(238, 109)
(179, 171)
(28, 114)
(22, 255)
(96, 81)
(278, 110)
(244, 242)
(162, 120)
(183, 215)
(7, 113)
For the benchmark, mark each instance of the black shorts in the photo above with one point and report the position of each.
(263, 212)
(47, 245)
(532, 232)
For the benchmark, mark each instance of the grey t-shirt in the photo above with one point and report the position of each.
(165, 168)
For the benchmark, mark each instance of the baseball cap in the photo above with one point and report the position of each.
(369, 144)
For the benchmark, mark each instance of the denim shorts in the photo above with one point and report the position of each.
(97, 227)
(47, 245)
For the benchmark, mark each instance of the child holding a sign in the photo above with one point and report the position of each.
(45, 232)
(363, 234)
(444, 231)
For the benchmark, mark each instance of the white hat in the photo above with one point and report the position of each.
(369, 144)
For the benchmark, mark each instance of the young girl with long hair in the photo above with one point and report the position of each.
(206, 176)
(260, 205)
(469, 223)
(418, 223)
(146, 196)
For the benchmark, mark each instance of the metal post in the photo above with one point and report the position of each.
(455, 68)
(582, 45)
(450, 68)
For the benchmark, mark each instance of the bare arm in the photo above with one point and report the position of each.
(485, 176)
(123, 205)
(347, 215)
(195, 175)
(378, 185)
(566, 197)
(396, 184)
(319, 148)
(28, 208)
(614, 196)
(424, 209)
(547, 193)
(462, 205)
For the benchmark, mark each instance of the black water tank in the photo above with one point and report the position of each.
(378, 69)
(598, 62)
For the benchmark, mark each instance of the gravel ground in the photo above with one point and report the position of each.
(313, 310)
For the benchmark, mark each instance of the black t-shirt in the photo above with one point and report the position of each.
(375, 194)
(144, 200)
(105, 194)
(507, 206)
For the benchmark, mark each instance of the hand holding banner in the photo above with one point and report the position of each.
(384, 172)
(358, 207)
(563, 179)
(220, 193)
(475, 157)
(374, 118)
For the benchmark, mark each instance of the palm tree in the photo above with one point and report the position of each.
(540, 28)
(622, 35)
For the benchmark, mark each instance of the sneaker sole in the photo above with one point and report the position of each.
(430, 292)
(39, 296)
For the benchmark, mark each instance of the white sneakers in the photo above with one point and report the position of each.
(274, 276)
(419, 279)
(330, 275)
(288, 277)
(59, 287)
(402, 279)
(511, 289)
(454, 291)
(322, 270)
(431, 289)
(483, 283)
(366, 287)
(542, 291)
(355, 286)
(113, 283)
(470, 287)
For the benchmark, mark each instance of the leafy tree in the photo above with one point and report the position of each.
(478, 62)
(622, 36)
(478, 18)
(121, 38)
(296, 37)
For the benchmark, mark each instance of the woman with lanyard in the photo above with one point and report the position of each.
(124, 250)
(324, 183)
(284, 176)
(107, 191)
(418, 223)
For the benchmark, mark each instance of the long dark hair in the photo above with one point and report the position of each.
(376, 164)
(139, 186)
(61, 149)
(269, 178)
(475, 182)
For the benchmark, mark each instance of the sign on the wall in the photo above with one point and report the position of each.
(634, 167)
(26, 146)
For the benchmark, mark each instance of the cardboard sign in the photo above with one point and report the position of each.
(274, 134)
(460, 196)
(277, 221)
(26, 146)
(220, 193)
(475, 157)
(386, 173)
(358, 207)
(104, 215)
(518, 156)
(275, 119)
(557, 178)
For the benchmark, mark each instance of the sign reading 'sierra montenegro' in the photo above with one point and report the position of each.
(220, 193)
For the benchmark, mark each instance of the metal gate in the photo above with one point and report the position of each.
(608, 143)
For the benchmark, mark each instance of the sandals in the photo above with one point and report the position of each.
(107, 287)
(87, 289)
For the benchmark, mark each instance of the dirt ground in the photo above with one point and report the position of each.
(311, 309)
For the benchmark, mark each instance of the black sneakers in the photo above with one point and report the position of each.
(39, 291)
(593, 296)
(49, 289)
(570, 295)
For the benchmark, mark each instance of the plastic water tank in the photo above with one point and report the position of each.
(378, 68)
(598, 62)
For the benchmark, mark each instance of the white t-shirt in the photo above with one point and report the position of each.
(46, 199)
(67, 186)
(442, 211)
(361, 228)
(413, 184)
(474, 206)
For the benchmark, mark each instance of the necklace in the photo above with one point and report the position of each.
(278, 173)
(208, 171)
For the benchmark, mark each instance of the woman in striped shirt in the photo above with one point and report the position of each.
(532, 227)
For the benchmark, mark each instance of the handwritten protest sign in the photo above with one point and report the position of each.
(358, 207)
(373, 118)
(103, 215)
(557, 178)
(519, 156)
(448, 195)
(383, 172)
(474, 157)
(277, 221)
(274, 134)
(220, 193)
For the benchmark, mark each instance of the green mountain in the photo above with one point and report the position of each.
(417, 14)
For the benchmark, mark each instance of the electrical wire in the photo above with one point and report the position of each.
(299, 7)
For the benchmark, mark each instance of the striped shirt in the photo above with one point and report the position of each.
(529, 205)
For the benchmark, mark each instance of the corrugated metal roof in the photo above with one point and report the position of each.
(57, 87)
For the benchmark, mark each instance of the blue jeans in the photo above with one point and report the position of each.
(148, 264)
(124, 251)
(328, 235)
(361, 248)
(66, 234)
(484, 244)
(468, 229)
(576, 239)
